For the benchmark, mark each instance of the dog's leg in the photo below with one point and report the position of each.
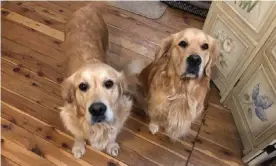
(79, 147)
(113, 148)
(153, 127)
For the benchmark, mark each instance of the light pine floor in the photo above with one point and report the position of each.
(31, 71)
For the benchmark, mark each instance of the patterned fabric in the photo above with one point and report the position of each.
(188, 7)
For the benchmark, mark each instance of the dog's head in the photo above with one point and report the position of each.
(191, 52)
(95, 90)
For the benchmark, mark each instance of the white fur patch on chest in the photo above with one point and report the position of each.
(192, 101)
(193, 107)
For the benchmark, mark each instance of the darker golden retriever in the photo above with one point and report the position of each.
(176, 82)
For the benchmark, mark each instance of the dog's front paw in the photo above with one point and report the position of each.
(113, 149)
(153, 128)
(78, 150)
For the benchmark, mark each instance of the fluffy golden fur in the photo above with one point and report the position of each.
(87, 74)
(175, 97)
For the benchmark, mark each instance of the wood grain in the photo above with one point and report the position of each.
(38, 145)
(132, 43)
(7, 162)
(36, 12)
(117, 36)
(119, 33)
(31, 108)
(149, 150)
(180, 20)
(72, 6)
(12, 16)
(211, 131)
(30, 59)
(214, 99)
(215, 153)
(30, 91)
(30, 78)
(200, 159)
(20, 155)
(50, 47)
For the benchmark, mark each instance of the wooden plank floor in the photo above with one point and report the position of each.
(31, 70)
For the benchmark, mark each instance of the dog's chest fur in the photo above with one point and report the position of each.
(181, 99)
(175, 103)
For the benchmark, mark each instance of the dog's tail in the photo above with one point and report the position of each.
(132, 70)
(135, 67)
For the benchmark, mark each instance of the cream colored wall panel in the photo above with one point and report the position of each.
(246, 71)
(270, 49)
(252, 17)
(235, 50)
(274, 52)
(232, 46)
(253, 104)
(257, 101)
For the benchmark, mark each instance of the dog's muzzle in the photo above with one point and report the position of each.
(193, 66)
(97, 110)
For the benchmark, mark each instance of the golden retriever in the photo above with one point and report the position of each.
(96, 106)
(176, 82)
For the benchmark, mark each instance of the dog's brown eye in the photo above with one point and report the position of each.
(183, 44)
(108, 84)
(83, 86)
(205, 46)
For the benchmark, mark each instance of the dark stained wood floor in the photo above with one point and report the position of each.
(31, 70)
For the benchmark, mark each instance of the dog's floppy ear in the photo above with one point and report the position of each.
(213, 58)
(164, 48)
(68, 90)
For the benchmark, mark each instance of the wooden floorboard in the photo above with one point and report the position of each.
(51, 88)
(38, 145)
(32, 70)
(20, 155)
(7, 162)
(30, 59)
(211, 131)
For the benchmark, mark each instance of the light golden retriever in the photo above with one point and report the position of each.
(96, 106)
(176, 82)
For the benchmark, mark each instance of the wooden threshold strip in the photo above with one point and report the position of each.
(12, 16)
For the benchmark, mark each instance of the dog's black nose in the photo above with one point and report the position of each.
(194, 60)
(97, 109)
